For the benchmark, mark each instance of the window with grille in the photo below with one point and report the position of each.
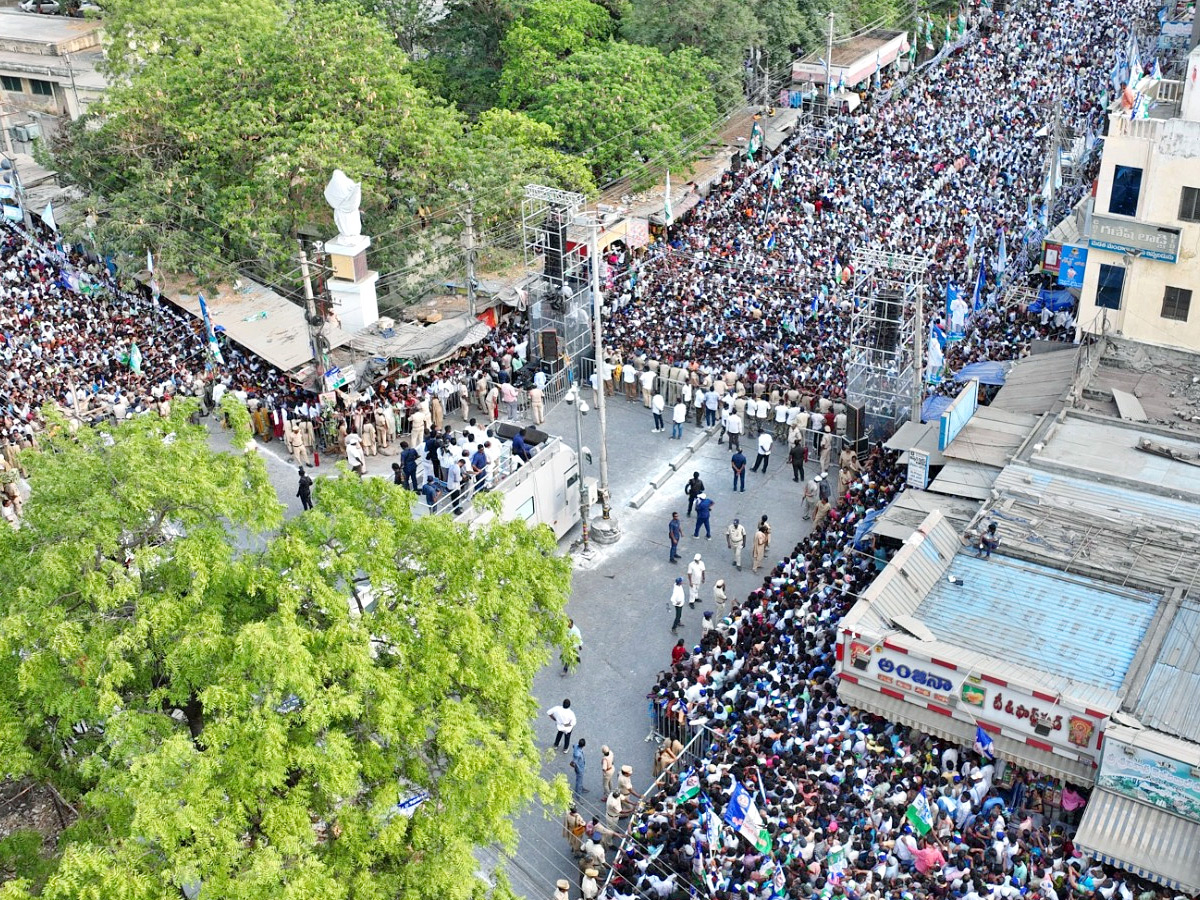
(11, 84)
(1176, 302)
(1110, 286)
(1189, 204)
(41, 88)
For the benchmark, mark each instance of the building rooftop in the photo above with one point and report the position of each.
(1163, 380)
(24, 32)
(1106, 450)
(1056, 611)
(1170, 698)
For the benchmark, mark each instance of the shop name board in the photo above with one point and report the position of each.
(918, 469)
(975, 699)
(1160, 242)
(1168, 784)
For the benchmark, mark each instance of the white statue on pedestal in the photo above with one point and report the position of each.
(344, 196)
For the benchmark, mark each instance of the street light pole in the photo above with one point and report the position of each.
(598, 338)
(575, 399)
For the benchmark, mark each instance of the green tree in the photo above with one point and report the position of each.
(503, 152)
(629, 107)
(464, 59)
(221, 152)
(547, 31)
(240, 704)
(721, 30)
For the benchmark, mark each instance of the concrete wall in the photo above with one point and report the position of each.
(1168, 152)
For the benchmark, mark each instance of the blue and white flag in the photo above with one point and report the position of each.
(48, 217)
(1001, 254)
(1135, 61)
(980, 281)
(776, 178)
(983, 743)
(770, 245)
(214, 348)
(972, 238)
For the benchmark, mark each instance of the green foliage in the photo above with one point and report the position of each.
(641, 110)
(721, 30)
(224, 150)
(258, 696)
(21, 856)
(505, 151)
(547, 31)
(464, 53)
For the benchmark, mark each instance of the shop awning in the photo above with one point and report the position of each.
(963, 733)
(1145, 840)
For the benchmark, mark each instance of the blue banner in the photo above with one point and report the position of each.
(1072, 264)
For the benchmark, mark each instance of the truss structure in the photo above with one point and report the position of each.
(560, 298)
(879, 374)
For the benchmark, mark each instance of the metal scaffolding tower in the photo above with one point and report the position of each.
(560, 299)
(880, 371)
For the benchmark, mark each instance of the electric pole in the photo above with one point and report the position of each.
(829, 61)
(606, 531)
(315, 323)
(918, 398)
(469, 247)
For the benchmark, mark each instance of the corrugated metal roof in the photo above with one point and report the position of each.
(991, 437)
(1039, 384)
(1097, 528)
(906, 513)
(1170, 699)
(1139, 838)
(963, 733)
(1040, 619)
(908, 577)
(959, 478)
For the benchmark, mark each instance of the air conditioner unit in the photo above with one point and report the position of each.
(27, 133)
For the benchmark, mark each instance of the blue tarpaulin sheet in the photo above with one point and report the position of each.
(933, 408)
(1055, 300)
(987, 372)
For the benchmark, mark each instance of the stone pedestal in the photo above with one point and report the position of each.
(352, 284)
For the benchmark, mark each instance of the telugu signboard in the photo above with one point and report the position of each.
(918, 470)
(1142, 775)
(1159, 242)
(974, 698)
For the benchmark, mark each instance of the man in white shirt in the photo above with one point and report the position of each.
(564, 718)
(695, 575)
(647, 379)
(657, 405)
(764, 452)
(678, 417)
(733, 428)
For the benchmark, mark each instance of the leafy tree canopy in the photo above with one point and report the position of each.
(222, 151)
(238, 703)
(547, 32)
(632, 110)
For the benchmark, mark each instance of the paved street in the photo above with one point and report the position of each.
(620, 597)
(620, 604)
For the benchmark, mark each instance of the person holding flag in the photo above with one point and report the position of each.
(214, 348)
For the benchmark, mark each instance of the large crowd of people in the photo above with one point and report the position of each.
(755, 286)
(762, 287)
(760, 277)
